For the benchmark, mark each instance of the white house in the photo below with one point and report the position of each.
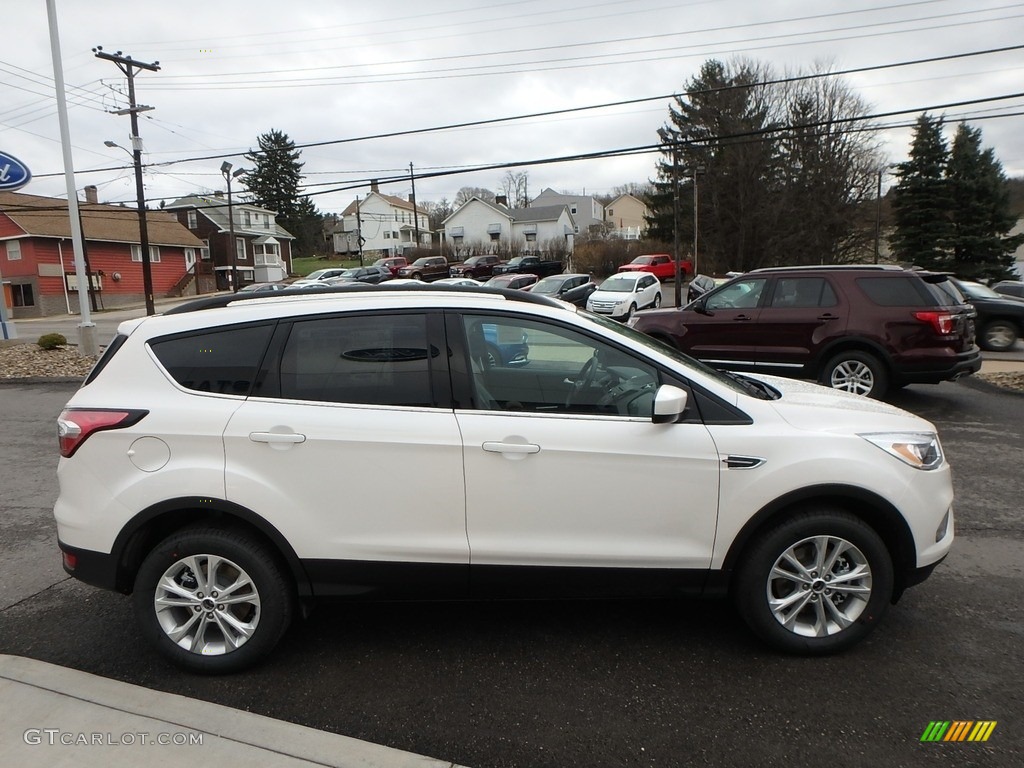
(388, 226)
(483, 227)
(585, 210)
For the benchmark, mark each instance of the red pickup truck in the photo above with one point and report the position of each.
(660, 265)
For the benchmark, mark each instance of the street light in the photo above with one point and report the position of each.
(225, 169)
(140, 194)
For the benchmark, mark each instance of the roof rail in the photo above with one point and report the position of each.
(215, 302)
(831, 267)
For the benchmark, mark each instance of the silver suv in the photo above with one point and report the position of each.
(202, 459)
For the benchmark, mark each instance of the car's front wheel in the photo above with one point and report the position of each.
(657, 300)
(998, 336)
(857, 372)
(817, 583)
(213, 600)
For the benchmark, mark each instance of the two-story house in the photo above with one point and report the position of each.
(586, 211)
(482, 227)
(627, 217)
(388, 226)
(37, 258)
(261, 253)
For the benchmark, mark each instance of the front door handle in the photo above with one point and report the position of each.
(512, 451)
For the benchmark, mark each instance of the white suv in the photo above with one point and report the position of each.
(624, 293)
(200, 457)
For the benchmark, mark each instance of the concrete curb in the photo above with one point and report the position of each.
(58, 716)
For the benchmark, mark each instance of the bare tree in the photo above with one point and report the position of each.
(515, 188)
(466, 194)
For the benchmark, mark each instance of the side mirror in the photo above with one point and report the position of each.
(669, 404)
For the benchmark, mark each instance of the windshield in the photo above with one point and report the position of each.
(618, 284)
(549, 285)
(350, 273)
(642, 260)
(516, 260)
(978, 291)
(420, 262)
(317, 275)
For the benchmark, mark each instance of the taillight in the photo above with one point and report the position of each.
(75, 425)
(942, 322)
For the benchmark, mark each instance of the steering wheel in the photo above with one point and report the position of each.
(584, 379)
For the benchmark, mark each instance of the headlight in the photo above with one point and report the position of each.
(920, 450)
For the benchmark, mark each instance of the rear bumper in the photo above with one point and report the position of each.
(96, 568)
(963, 364)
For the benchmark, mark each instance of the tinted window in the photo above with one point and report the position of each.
(896, 291)
(378, 360)
(803, 292)
(224, 361)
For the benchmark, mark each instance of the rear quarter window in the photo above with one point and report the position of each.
(897, 291)
(224, 361)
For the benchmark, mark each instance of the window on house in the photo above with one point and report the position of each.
(247, 215)
(22, 295)
(387, 235)
(266, 255)
(495, 236)
(193, 220)
(531, 237)
(154, 254)
(13, 250)
(240, 249)
(266, 220)
(610, 213)
(204, 252)
(572, 210)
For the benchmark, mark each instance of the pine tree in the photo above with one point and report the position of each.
(922, 201)
(273, 182)
(981, 215)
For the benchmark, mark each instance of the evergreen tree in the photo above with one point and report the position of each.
(981, 215)
(273, 182)
(922, 201)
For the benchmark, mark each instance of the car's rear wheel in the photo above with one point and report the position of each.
(998, 336)
(817, 583)
(212, 600)
(857, 372)
(657, 301)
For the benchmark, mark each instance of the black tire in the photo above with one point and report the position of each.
(801, 535)
(657, 301)
(858, 372)
(629, 313)
(998, 336)
(417, 276)
(265, 603)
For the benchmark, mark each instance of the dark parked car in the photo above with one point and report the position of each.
(575, 289)
(532, 265)
(372, 275)
(515, 282)
(1000, 318)
(392, 264)
(427, 268)
(862, 329)
(1013, 288)
(475, 267)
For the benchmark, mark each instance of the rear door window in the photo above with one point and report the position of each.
(372, 360)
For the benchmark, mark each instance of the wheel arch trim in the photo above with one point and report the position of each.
(158, 521)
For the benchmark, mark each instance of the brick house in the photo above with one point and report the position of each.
(263, 248)
(37, 260)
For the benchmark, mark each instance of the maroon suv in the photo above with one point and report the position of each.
(862, 329)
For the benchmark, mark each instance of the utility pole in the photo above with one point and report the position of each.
(675, 225)
(415, 213)
(129, 66)
(693, 262)
(359, 232)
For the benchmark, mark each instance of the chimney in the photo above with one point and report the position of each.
(501, 200)
(91, 195)
(412, 199)
(374, 187)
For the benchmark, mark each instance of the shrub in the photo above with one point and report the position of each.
(52, 340)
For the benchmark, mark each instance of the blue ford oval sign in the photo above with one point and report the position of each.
(14, 174)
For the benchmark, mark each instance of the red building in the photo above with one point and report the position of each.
(37, 261)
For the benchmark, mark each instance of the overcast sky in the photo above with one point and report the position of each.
(328, 71)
